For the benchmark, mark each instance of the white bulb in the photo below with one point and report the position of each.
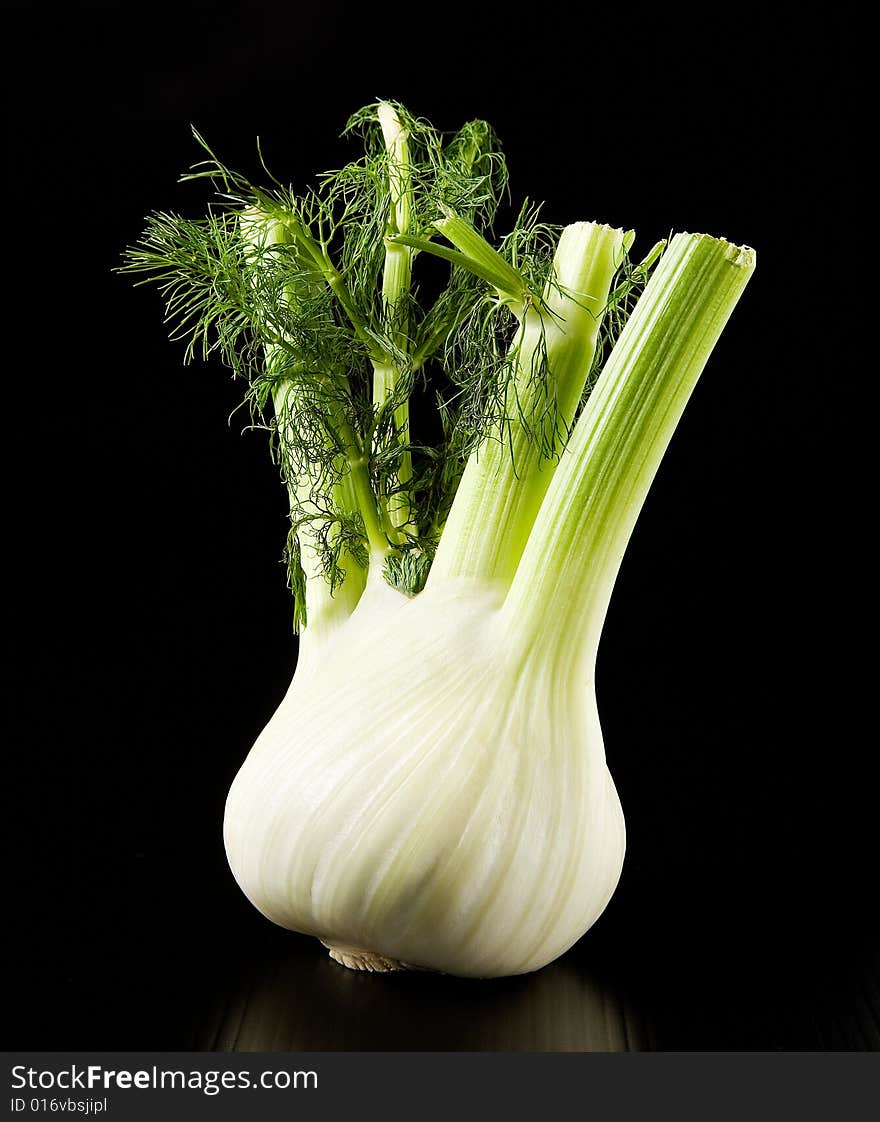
(424, 799)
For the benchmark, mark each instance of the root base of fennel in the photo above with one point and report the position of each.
(357, 958)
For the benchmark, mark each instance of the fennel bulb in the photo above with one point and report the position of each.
(467, 823)
(432, 791)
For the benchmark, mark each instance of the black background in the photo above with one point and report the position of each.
(150, 635)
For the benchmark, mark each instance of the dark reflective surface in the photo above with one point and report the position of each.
(303, 1001)
(605, 995)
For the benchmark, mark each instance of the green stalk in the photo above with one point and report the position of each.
(396, 281)
(324, 610)
(505, 480)
(562, 587)
(361, 487)
(482, 255)
(294, 230)
(362, 492)
(486, 263)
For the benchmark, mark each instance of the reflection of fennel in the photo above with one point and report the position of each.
(433, 790)
(300, 1005)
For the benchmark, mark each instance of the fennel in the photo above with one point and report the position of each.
(432, 791)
